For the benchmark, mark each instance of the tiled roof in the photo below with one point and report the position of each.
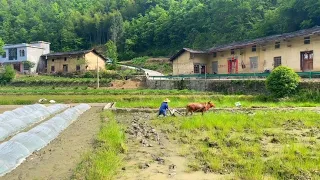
(63, 54)
(304, 32)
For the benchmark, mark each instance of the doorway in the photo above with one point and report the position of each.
(16, 66)
(233, 66)
(306, 61)
(65, 68)
(215, 67)
(203, 69)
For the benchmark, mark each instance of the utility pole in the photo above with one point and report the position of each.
(98, 73)
(205, 77)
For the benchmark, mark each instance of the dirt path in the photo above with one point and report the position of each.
(61, 156)
(152, 155)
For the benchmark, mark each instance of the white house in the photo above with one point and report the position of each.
(16, 54)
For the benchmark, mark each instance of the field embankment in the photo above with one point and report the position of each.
(146, 98)
(25, 81)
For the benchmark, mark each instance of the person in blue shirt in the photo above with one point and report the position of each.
(164, 107)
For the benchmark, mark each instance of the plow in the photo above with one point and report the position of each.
(175, 112)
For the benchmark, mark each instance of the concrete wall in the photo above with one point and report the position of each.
(184, 64)
(91, 59)
(34, 55)
(222, 86)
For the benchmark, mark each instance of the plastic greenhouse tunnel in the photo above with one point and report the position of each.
(22, 145)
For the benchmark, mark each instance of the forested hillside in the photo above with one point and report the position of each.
(150, 27)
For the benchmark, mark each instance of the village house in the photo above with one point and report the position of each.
(298, 50)
(46, 62)
(69, 62)
(17, 54)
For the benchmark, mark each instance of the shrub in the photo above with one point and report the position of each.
(88, 74)
(8, 75)
(282, 82)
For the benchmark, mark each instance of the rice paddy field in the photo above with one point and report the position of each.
(238, 143)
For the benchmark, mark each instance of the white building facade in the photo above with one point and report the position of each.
(17, 54)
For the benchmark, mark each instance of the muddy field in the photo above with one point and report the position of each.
(152, 154)
(178, 148)
(61, 156)
(219, 145)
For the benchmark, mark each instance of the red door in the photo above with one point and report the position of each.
(233, 66)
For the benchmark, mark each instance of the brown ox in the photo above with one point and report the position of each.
(199, 107)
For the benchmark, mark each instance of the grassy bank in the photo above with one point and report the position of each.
(57, 81)
(85, 90)
(148, 98)
(261, 145)
(106, 159)
(153, 101)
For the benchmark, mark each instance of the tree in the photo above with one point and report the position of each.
(112, 53)
(8, 75)
(116, 29)
(282, 82)
(1, 46)
(29, 65)
(140, 61)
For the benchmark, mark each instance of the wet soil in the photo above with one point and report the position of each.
(62, 155)
(152, 154)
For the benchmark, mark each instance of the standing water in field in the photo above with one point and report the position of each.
(18, 148)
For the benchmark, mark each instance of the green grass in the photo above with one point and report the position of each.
(55, 81)
(241, 143)
(132, 100)
(147, 98)
(106, 159)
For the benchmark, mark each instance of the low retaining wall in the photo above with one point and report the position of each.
(222, 86)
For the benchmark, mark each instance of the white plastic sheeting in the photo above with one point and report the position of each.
(26, 116)
(18, 148)
(22, 111)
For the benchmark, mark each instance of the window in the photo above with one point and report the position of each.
(13, 53)
(65, 68)
(65, 59)
(277, 45)
(254, 48)
(26, 67)
(78, 68)
(21, 53)
(307, 40)
(232, 51)
(191, 56)
(276, 61)
(214, 54)
(52, 60)
(52, 69)
(196, 69)
(253, 63)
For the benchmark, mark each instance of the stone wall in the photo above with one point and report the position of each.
(222, 86)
